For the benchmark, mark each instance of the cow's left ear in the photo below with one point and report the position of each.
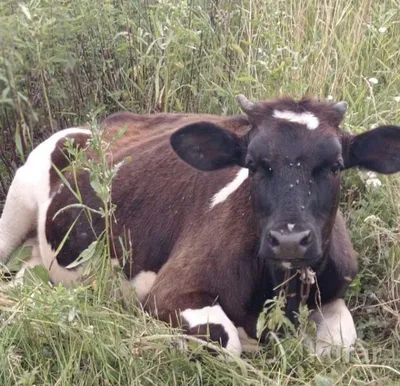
(377, 150)
(206, 146)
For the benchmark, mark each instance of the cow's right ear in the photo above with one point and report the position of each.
(206, 146)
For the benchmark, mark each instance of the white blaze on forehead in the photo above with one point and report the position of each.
(215, 315)
(308, 119)
(226, 191)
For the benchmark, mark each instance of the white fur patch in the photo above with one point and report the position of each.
(308, 119)
(248, 344)
(290, 227)
(335, 327)
(215, 315)
(143, 282)
(29, 189)
(226, 191)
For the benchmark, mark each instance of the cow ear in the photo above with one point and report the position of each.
(377, 150)
(206, 146)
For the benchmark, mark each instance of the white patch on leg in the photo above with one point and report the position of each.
(215, 315)
(335, 327)
(248, 344)
(225, 192)
(308, 119)
(29, 189)
(142, 283)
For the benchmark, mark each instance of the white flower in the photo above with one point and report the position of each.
(382, 30)
(372, 180)
(397, 99)
(330, 98)
(371, 218)
(373, 81)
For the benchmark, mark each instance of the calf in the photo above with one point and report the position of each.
(219, 211)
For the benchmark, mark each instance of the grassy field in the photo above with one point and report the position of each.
(66, 62)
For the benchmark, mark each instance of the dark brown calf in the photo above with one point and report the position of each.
(219, 210)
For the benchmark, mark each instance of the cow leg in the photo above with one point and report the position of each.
(197, 314)
(335, 327)
(34, 260)
(248, 344)
(212, 321)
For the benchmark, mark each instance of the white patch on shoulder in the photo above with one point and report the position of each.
(143, 282)
(215, 315)
(335, 328)
(308, 119)
(286, 265)
(226, 191)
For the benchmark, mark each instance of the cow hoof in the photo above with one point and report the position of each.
(248, 344)
(324, 350)
(336, 332)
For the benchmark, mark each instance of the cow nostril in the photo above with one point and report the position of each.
(306, 240)
(273, 240)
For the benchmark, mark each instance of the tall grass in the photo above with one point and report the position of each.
(63, 61)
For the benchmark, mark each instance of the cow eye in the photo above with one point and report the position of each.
(266, 166)
(337, 166)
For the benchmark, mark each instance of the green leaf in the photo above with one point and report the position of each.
(238, 49)
(25, 11)
(86, 255)
(41, 272)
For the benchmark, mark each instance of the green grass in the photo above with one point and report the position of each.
(61, 62)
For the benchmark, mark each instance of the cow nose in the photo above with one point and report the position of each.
(290, 245)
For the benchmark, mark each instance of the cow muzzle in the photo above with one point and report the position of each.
(297, 248)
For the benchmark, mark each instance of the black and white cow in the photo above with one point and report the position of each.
(218, 210)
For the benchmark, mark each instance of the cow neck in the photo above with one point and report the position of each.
(295, 289)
